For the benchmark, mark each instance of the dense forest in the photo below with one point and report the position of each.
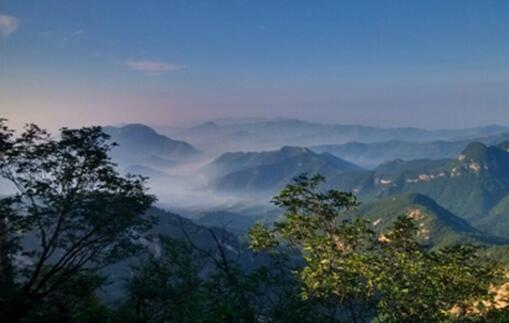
(74, 217)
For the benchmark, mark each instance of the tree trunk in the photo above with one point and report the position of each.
(6, 278)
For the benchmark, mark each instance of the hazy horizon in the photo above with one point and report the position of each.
(182, 126)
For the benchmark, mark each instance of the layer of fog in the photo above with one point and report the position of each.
(186, 190)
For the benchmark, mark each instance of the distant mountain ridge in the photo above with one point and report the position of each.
(271, 170)
(140, 144)
(372, 154)
(271, 134)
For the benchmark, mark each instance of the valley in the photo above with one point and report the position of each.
(463, 173)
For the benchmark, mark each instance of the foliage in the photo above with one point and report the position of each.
(182, 284)
(390, 277)
(165, 288)
(72, 212)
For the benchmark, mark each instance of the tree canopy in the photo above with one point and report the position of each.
(71, 212)
(364, 276)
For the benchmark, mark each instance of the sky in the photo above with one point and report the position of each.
(431, 64)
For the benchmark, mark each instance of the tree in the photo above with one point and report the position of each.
(72, 212)
(165, 287)
(185, 283)
(419, 285)
(360, 275)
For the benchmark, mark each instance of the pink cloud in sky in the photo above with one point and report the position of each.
(8, 25)
(153, 67)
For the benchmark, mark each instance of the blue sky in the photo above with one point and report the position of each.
(428, 63)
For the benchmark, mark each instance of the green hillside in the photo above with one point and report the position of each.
(437, 226)
(497, 221)
(471, 186)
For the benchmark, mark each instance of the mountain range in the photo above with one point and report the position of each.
(255, 134)
(370, 155)
(456, 182)
(473, 186)
(271, 170)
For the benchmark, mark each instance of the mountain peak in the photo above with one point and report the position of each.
(138, 127)
(478, 158)
(207, 125)
(138, 141)
(294, 150)
(504, 146)
(474, 151)
(478, 152)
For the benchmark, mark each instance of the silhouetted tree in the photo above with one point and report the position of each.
(71, 214)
